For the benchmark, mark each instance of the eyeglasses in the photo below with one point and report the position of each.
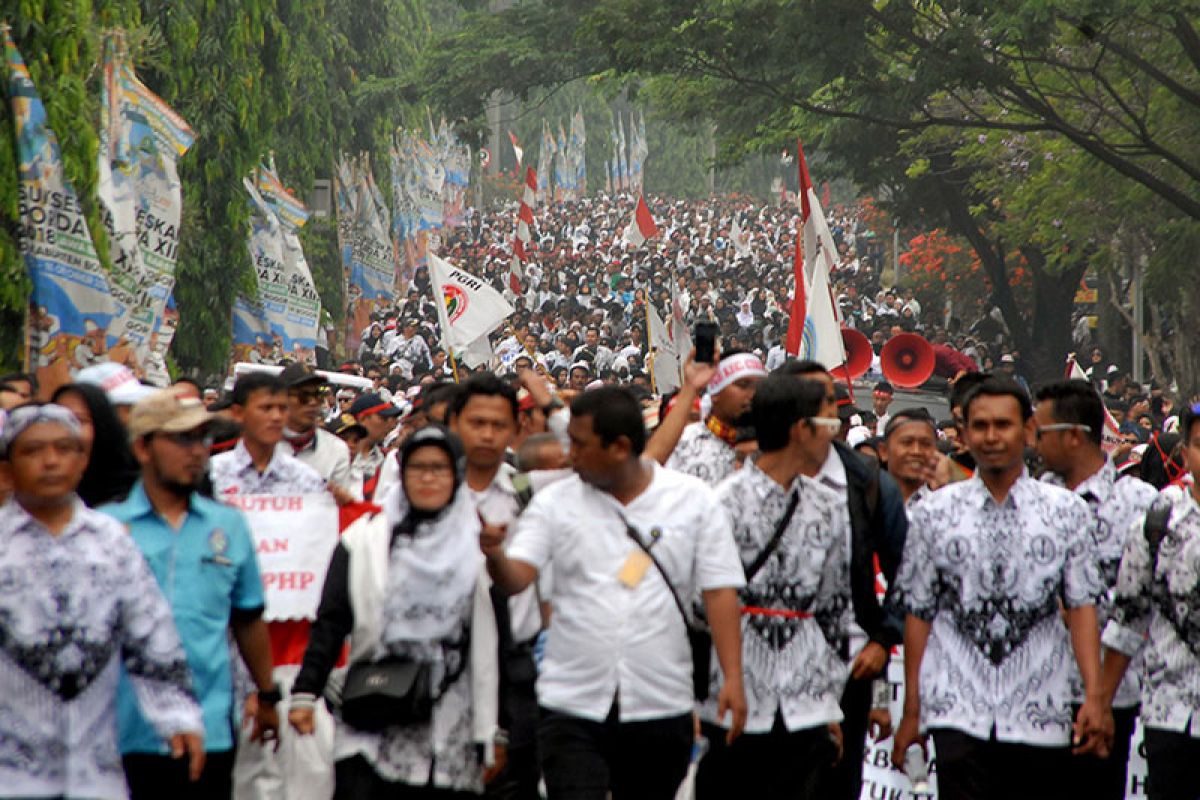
(829, 423)
(429, 470)
(190, 438)
(1063, 426)
(307, 395)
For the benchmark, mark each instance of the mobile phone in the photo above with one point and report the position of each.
(705, 338)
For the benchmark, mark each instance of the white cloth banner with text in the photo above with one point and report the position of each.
(294, 537)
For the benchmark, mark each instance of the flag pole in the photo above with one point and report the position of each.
(453, 362)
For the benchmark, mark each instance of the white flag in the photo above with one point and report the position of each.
(741, 240)
(822, 337)
(469, 308)
(666, 358)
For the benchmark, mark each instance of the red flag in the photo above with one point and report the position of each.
(642, 226)
(524, 235)
(795, 332)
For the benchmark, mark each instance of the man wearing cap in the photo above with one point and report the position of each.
(378, 417)
(304, 438)
(1070, 422)
(580, 375)
(705, 449)
(1008, 369)
(202, 556)
(78, 602)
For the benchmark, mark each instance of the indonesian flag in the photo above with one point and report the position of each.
(1110, 437)
(516, 148)
(642, 226)
(524, 235)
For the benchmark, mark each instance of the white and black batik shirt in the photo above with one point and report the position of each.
(74, 609)
(989, 578)
(1116, 505)
(1160, 615)
(791, 665)
(701, 454)
(234, 473)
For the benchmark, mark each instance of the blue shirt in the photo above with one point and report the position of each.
(206, 569)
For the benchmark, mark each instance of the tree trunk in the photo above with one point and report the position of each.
(1053, 299)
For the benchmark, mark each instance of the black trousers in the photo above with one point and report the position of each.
(584, 760)
(844, 781)
(1173, 762)
(152, 777)
(1106, 778)
(355, 779)
(780, 765)
(519, 778)
(975, 769)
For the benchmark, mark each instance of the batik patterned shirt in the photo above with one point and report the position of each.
(791, 665)
(702, 455)
(1157, 612)
(989, 578)
(234, 473)
(1116, 505)
(74, 609)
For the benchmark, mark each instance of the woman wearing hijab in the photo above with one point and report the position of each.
(111, 468)
(745, 315)
(409, 585)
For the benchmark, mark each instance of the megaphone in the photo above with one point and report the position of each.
(907, 360)
(859, 353)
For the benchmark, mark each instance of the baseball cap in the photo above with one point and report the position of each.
(298, 374)
(1007, 359)
(344, 423)
(120, 385)
(371, 403)
(165, 411)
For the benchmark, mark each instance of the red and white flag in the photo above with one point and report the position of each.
(524, 235)
(520, 153)
(814, 247)
(642, 226)
(1110, 437)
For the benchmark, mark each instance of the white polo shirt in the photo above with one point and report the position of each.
(605, 636)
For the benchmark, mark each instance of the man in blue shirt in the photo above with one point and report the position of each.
(203, 558)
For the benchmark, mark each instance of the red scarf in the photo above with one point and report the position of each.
(726, 433)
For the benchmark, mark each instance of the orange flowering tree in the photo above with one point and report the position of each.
(938, 266)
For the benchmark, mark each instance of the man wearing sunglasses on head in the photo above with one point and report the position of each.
(1070, 418)
(878, 527)
(202, 556)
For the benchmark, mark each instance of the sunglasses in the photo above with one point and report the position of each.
(1063, 426)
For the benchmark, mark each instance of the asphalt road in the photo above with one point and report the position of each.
(933, 402)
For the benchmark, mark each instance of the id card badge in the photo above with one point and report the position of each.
(634, 569)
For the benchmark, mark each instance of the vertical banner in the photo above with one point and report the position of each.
(269, 309)
(302, 319)
(372, 276)
(545, 191)
(141, 198)
(71, 307)
(579, 154)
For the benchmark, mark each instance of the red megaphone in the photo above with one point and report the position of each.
(859, 353)
(907, 360)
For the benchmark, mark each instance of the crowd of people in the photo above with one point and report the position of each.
(543, 578)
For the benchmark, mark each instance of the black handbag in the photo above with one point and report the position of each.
(380, 694)
(698, 634)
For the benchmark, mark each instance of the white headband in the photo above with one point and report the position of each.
(22, 418)
(733, 369)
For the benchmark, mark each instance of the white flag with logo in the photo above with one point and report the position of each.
(666, 355)
(822, 337)
(469, 307)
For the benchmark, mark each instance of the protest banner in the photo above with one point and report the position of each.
(294, 538)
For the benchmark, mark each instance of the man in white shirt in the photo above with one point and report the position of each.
(304, 438)
(793, 537)
(79, 604)
(1070, 419)
(616, 687)
(991, 568)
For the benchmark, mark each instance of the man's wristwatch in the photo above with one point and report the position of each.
(270, 697)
